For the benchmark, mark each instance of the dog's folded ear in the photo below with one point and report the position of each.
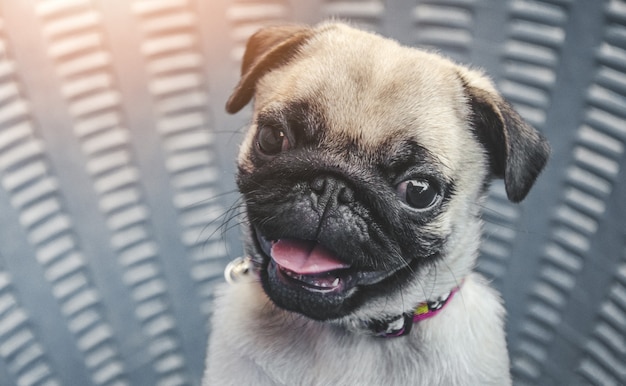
(267, 49)
(517, 152)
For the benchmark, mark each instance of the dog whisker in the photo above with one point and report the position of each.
(225, 218)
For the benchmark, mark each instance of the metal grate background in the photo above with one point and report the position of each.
(117, 162)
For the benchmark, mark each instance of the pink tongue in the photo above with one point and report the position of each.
(304, 257)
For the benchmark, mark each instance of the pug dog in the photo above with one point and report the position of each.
(362, 176)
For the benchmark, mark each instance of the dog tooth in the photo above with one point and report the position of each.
(335, 282)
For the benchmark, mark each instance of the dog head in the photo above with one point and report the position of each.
(364, 168)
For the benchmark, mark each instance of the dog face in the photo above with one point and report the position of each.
(364, 168)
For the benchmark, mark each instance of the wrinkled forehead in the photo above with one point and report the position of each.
(367, 99)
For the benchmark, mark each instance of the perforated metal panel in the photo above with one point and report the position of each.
(117, 161)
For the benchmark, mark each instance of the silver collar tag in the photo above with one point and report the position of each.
(238, 269)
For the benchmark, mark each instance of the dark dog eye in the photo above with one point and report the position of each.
(419, 194)
(271, 140)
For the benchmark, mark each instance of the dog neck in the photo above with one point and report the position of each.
(401, 325)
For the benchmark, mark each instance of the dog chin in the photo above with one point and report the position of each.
(330, 289)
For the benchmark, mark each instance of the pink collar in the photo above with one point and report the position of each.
(402, 325)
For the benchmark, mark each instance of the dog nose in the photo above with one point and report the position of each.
(329, 188)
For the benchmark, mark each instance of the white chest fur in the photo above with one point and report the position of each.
(253, 343)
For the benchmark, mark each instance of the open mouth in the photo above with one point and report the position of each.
(325, 282)
(313, 267)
